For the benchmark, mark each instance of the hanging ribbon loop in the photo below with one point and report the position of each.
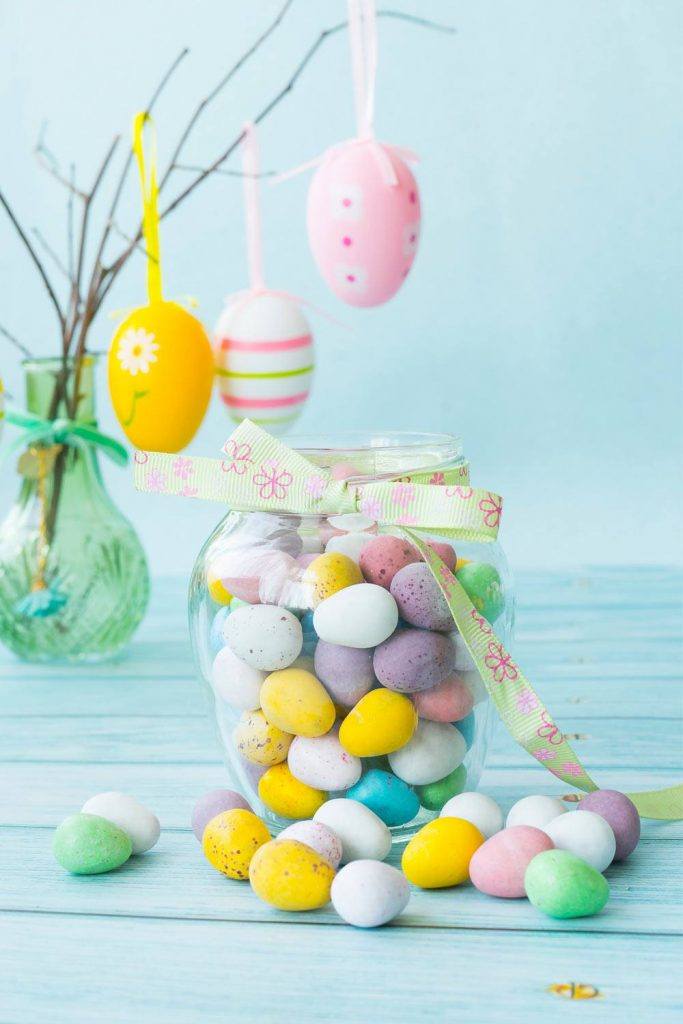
(61, 431)
(363, 42)
(147, 168)
(252, 206)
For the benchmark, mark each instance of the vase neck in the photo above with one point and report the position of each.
(51, 385)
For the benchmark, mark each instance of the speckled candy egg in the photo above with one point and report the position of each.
(368, 894)
(235, 682)
(419, 599)
(585, 834)
(363, 221)
(286, 795)
(364, 836)
(259, 741)
(445, 552)
(291, 876)
(265, 636)
(384, 556)
(346, 672)
(323, 762)
(213, 803)
(360, 616)
(318, 836)
(389, 797)
(435, 749)
(136, 820)
(295, 701)
(231, 839)
(264, 359)
(620, 813)
(216, 637)
(329, 573)
(498, 867)
(413, 659)
(448, 701)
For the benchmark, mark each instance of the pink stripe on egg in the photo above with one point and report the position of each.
(229, 344)
(264, 403)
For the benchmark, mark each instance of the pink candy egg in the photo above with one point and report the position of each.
(446, 552)
(448, 701)
(363, 221)
(498, 867)
(264, 359)
(384, 556)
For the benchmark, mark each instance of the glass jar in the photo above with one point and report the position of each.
(285, 763)
(74, 582)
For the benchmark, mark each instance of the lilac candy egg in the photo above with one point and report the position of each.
(413, 659)
(212, 803)
(419, 599)
(621, 815)
(346, 672)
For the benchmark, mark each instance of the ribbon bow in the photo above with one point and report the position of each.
(62, 431)
(260, 473)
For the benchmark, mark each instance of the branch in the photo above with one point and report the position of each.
(39, 266)
(70, 223)
(218, 88)
(229, 172)
(50, 251)
(49, 163)
(15, 341)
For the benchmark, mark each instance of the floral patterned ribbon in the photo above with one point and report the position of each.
(258, 472)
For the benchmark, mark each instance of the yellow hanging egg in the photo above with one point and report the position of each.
(161, 372)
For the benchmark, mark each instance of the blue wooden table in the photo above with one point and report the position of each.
(167, 939)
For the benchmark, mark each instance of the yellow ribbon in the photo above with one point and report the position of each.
(147, 167)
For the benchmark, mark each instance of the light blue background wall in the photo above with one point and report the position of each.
(542, 319)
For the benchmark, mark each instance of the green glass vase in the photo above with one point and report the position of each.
(74, 582)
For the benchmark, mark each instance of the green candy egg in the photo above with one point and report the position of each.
(482, 585)
(86, 844)
(435, 794)
(562, 885)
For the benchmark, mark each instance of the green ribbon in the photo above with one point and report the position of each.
(260, 473)
(62, 431)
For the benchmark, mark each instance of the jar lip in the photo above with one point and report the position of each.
(350, 441)
(56, 362)
(379, 455)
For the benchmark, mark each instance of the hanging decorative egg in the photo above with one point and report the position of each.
(161, 364)
(263, 342)
(264, 359)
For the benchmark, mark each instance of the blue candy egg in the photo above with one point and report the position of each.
(389, 797)
(466, 727)
(216, 638)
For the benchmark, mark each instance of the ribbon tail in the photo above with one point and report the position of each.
(107, 445)
(660, 804)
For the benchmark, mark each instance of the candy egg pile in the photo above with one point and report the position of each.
(110, 828)
(336, 669)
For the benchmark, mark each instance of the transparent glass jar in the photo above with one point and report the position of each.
(265, 559)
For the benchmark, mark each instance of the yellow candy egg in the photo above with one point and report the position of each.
(291, 876)
(460, 562)
(382, 721)
(217, 590)
(440, 854)
(295, 701)
(259, 741)
(231, 839)
(286, 796)
(329, 573)
(161, 372)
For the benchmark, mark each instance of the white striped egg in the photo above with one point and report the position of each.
(264, 359)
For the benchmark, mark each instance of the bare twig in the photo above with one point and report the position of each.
(32, 253)
(49, 163)
(17, 344)
(70, 223)
(218, 88)
(39, 237)
(138, 245)
(229, 172)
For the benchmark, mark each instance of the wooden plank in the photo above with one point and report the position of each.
(117, 970)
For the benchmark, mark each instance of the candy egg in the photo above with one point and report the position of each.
(160, 376)
(382, 721)
(216, 637)
(295, 701)
(291, 876)
(264, 359)
(265, 636)
(445, 552)
(448, 701)
(585, 834)
(217, 590)
(467, 727)
(620, 813)
(563, 886)
(363, 220)
(368, 894)
(434, 795)
(388, 796)
(478, 808)
(363, 834)
(350, 522)
(323, 762)
(86, 844)
(231, 839)
(419, 600)
(330, 573)
(360, 616)
(435, 749)
(235, 682)
(346, 672)
(384, 556)
(439, 855)
(259, 741)
(318, 836)
(498, 867)
(482, 585)
(212, 804)
(537, 811)
(286, 795)
(413, 659)
(350, 544)
(129, 815)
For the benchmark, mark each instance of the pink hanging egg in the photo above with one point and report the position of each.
(363, 221)
(264, 359)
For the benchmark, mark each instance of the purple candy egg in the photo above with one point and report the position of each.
(213, 803)
(414, 659)
(419, 600)
(621, 815)
(345, 672)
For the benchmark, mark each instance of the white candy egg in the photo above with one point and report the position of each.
(129, 815)
(235, 682)
(537, 811)
(364, 836)
(585, 834)
(477, 808)
(367, 893)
